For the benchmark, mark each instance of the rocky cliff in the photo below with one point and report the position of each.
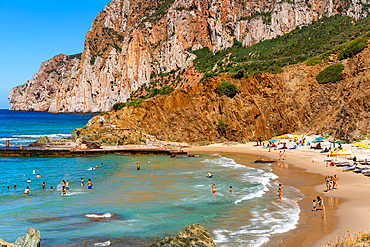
(130, 41)
(266, 104)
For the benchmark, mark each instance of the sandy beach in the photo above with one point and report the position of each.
(346, 208)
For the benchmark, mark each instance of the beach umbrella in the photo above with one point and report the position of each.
(339, 141)
(320, 138)
(315, 141)
(292, 142)
(273, 140)
(295, 136)
(282, 136)
(359, 144)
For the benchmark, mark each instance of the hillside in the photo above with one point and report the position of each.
(135, 46)
(266, 104)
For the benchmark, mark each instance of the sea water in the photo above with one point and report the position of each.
(162, 198)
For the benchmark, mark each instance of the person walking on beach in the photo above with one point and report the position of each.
(27, 191)
(269, 146)
(335, 182)
(284, 154)
(280, 192)
(314, 206)
(280, 155)
(138, 166)
(89, 184)
(320, 203)
(213, 188)
(327, 181)
(82, 182)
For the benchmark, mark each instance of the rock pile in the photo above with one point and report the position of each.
(31, 239)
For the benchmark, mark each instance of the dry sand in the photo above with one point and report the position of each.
(347, 208)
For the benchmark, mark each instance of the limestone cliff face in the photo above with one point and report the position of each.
(266, 104)
(132, 39)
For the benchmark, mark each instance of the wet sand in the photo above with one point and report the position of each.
(346, 208)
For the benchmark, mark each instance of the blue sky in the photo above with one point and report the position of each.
(35, 31)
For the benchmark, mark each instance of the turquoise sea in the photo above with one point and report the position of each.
(127, 207)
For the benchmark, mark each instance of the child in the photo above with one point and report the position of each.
(89, 184)
(314, 206)
(231, 189)
(27, 191)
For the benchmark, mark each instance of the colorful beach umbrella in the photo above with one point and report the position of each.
(315, 141)
(339, 141)
(273, 140)
(359, 144)
(320, 138)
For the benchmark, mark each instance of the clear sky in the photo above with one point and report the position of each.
(32, 32)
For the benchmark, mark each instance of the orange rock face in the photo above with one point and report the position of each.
(132, 39)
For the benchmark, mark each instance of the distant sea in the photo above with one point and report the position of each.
(130, 207)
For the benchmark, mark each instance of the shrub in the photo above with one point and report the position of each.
(352, 48)
(119, 105)
(239, 74)
(330, 74)
(226, 88)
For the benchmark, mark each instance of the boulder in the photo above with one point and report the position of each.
(31, 239)
(192, 236)
(3, 243)
(45, 139)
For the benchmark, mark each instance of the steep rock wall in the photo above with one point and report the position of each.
(129, 40)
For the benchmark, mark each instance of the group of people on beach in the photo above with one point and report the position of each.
(331, 182)
(318, 205)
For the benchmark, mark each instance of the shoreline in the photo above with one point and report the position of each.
(352, 212)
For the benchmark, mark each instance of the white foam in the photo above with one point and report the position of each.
(250, 196)
(107, 243)
(49, 135)
(106, 215)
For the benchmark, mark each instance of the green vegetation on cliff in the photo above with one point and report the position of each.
(330, 74)
(297, 46)
(226, 88)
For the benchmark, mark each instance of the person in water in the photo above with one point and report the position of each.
(280, 191)
(63, 182)
(231, 189)
(101, 164)
(138, 166)
(97, 166)
(27, 191)
(209, 175)
(51, 189)
(29, 180)
(213, 188)
(43, 185)
(67, 184)
(38, 175)
(15, 186)
(7, 188)
(64, 191)
(89, 184)
(82, 182)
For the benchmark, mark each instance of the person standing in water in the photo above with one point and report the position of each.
(231, 189)
(82, 182)
(213, 188)
(51, 189)
(89, 184)
(64, 191)
(280, 191)
(27, 191)
(43, 185)
(67, 184)
(138, 166)
(29, 180)
(97, 166)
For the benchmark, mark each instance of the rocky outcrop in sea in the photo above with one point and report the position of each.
(131, 41)
(31, 239)
(192, 236)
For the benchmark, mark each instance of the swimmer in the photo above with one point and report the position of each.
(15, 186)
(82, 182)
(280, 191)
(89, 184)
(43, 185)
(213, 188)
(63, 183)
(231, 189)
(67, 184)
(209, 175)
(97, 166)
(29, 180)
(38, 175)
(7, 188)
(101, 164)
(138, 166)
(51, 189)
(33, 172)
(64, 191)
(27, 191)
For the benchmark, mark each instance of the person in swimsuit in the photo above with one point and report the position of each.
(51, 189)
(38, 175)
(327, 181)
(89, 184)
(209, 175)
(314, 206)
(29, 180)
(284, 155)
(63, 183)
(64, 191)
(138, 166)
(27, 191)
(231, 189)
(15, 186)
(101, 164)
(67, 184)
(7, 188)
(335, 182)
(43, 185)
(280, 155)
(97, 166)
(320, 203)
(280, 191)
(82, 182)
(213, 188)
